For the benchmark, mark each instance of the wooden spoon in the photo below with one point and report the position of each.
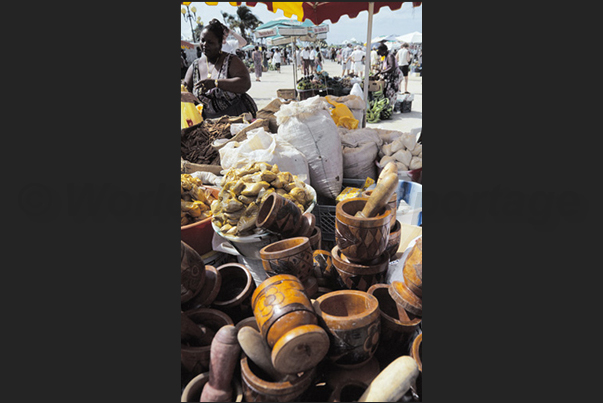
(380, 196)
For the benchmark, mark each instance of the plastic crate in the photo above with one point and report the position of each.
(285, 94)
(325, 209)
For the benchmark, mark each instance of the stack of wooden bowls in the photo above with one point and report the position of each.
(299, 238)
(360, 257)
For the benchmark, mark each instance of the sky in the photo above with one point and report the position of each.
(386, 22)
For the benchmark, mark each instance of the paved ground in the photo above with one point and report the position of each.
(264, 92)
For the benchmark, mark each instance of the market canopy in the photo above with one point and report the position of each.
(413, 37)
(318, 12)
(186, 45)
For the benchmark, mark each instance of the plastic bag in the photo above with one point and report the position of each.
(356, 90)
(308, 126)
(342, 116)
(262, 146)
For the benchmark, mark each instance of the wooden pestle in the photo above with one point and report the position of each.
(390, 168)
(393, 382)
(380, 196)
(257, 350)
(224, 356)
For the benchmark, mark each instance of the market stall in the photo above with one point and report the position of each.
(301, 262)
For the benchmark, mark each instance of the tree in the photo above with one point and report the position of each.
(197, 32)
(244, 20)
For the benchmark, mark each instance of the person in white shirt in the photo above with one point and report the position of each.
(305, 54)
(276, 60)
(345, 63)
(356, 58)
(403, 58)
(312, 58)
(230, 45)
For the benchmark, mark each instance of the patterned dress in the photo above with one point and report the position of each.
(392, 79)
(218, 102)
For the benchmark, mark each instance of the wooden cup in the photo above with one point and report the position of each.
(279, 216)
(361, 239)
(289, 256)
(358, 276)
(353, 324)
(192, 273)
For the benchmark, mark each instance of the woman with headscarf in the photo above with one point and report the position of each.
(219, 79)
(390, 73)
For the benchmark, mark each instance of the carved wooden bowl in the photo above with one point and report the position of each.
(192, 273)
(353, 324)
(289, 256)
(358, 276)
(279, 216)
(361, 239)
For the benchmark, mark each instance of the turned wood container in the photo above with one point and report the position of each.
(209, 291)
(397, 331)
(323, 268)
(316, 239)
(259, 387)
(192, 391)
(353, 324)
(288, 323)
(361, 239)
(393, 241)
(417, 351)
(195, 359)
(234, 296)
(192, 273)
(358, 276)
(289, 256)
(279, 215)
(405, 299)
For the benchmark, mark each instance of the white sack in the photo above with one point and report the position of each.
(262, 146)
(309, 127)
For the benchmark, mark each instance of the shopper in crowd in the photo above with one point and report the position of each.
(256, 56)
(345, 63)
(318, 60)
(219, 79)
(390, 73)
(356, 59)
(404, 58)
(276, 59)
(305, 55)
(231, 46)
(183, 64)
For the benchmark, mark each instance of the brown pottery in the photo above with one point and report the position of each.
(259, 387)
(195, 358)
(405, 298)
(392, 202)
(192, 272)
(337, 377)
(323, 267)
(417, 350)
(361, 239)
(352, 321)
(358, 276)
(192, 391)
(393, 241)
(348, 391)
(412, 280)
(316, 238)
(290, 256)
(288, 323)
(234, 296)
(396, 332)
(279, 215)
(209, 291)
